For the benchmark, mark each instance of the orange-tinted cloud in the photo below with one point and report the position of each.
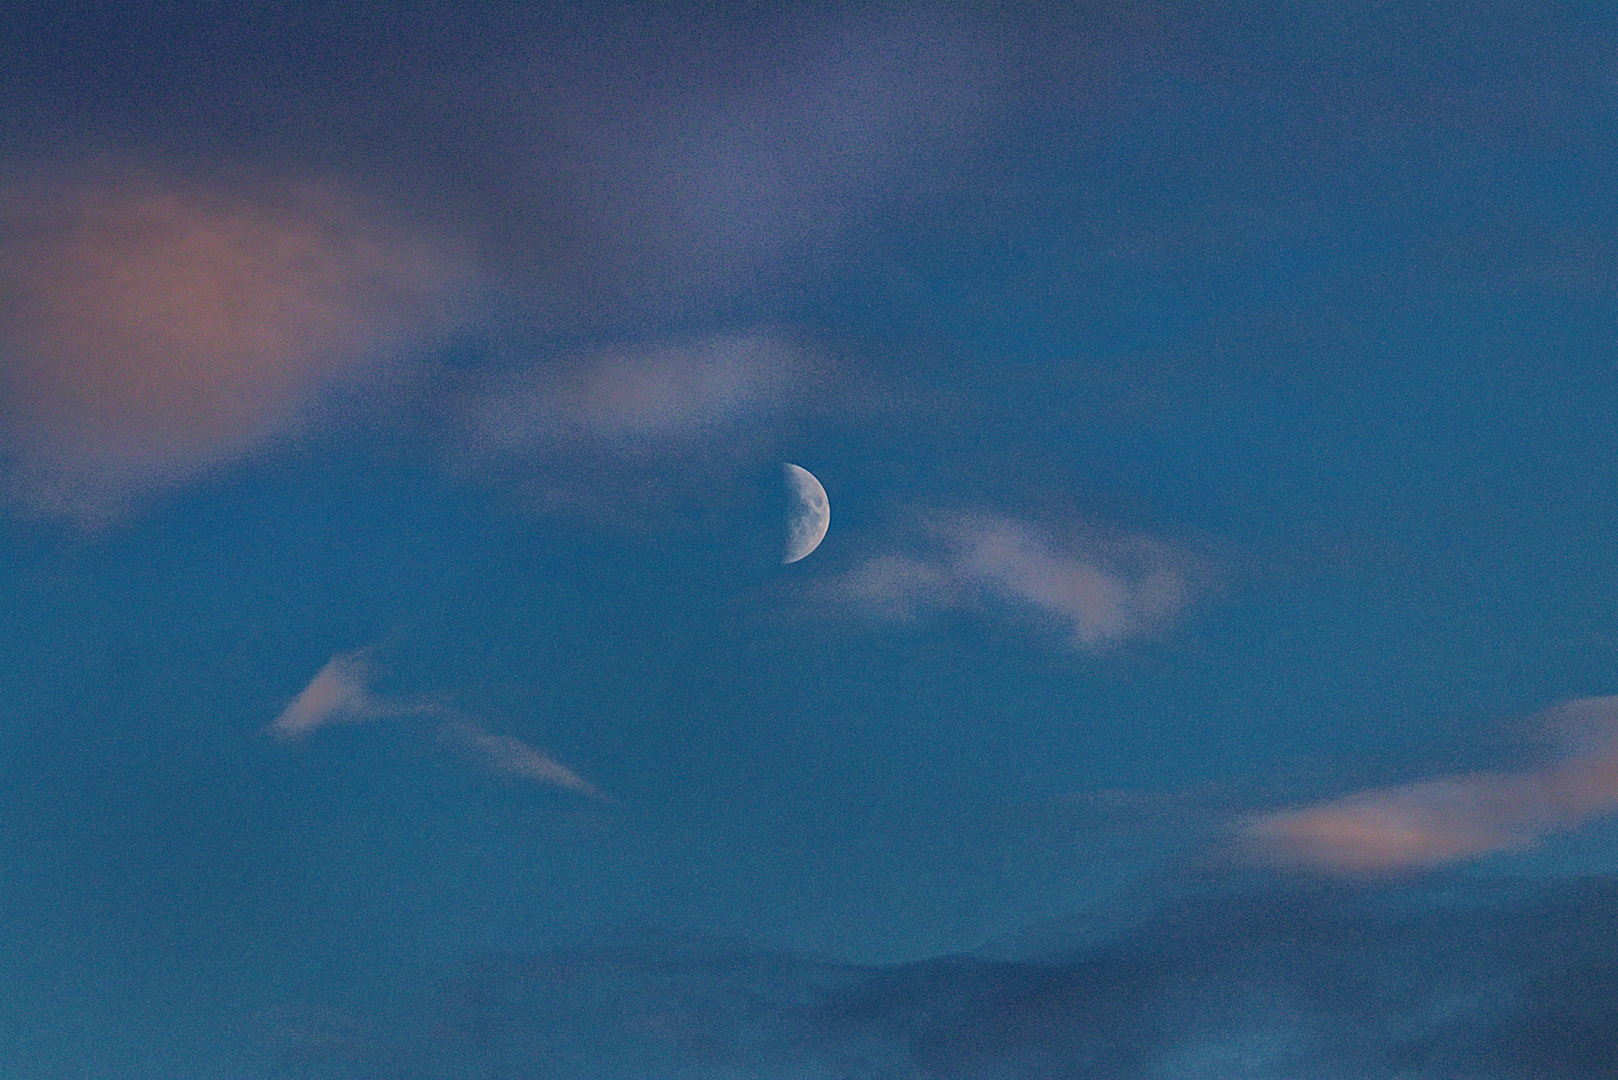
(151, 328)
(1455, 818)
(339, 693)
(513, 757)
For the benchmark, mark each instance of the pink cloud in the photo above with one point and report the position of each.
(339, 692)
(1459, 817)
(1097, 589)
(152, 328)
(512, 757)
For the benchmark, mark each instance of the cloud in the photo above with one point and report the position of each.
(510, 756)
(701, 155)
(153, 327)
(339, 693)
(627, 398)
(649, 437)
(1257, 979)
(1096, 589)
(1102, 594)
(1457, 817)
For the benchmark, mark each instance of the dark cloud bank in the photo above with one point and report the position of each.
(1456, 979)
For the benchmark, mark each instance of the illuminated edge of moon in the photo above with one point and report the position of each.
(812, 517)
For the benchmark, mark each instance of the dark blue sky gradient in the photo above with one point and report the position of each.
(1308, 311)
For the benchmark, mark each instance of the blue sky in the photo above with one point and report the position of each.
(1213, 410)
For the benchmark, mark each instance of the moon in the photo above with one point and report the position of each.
(811, 513)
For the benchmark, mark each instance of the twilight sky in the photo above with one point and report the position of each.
(1213, 640)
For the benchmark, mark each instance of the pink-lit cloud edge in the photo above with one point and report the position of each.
(154, 326)
(1451, 819)
(340, 693)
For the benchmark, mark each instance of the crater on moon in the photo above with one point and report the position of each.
(811, 513)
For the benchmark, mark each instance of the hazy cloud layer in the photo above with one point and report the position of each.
(1457, 817)
(152, 327)
(689, 156)
(628, 398)
(1096, 589)
(1258, 980)
(614, 166)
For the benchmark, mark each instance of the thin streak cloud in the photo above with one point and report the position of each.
(509, 756)
(340, 693)
(1454, 818)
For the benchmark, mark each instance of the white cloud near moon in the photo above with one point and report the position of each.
(1094, 588)
(635, 398)
(635, 436)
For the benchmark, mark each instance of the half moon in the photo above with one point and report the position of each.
(811, 513)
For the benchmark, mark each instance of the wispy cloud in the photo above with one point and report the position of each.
(627, 398)
(1456, 817)
(509, 756)
(340, 693)
(771, 142)
(1096, 588)
(639, 436)
(154, 327)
